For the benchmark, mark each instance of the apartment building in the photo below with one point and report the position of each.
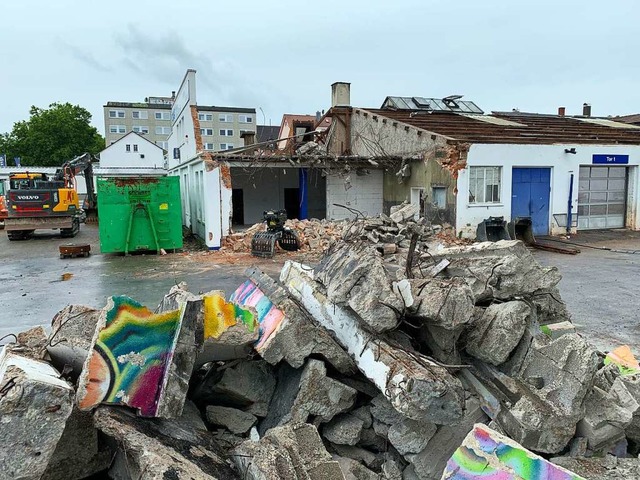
(151, 118)
(221, 127)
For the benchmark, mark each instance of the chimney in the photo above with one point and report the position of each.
(586, 110)
(173, 95)
(340, 94)
(249, 138)
(562, 111)
(318, 116)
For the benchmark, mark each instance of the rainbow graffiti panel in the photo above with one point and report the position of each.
(487, 455)
(130, 357)
(220, 315)
(269, 317)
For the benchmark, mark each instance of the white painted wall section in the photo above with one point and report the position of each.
(562, 164)
(361, 192)
(140, 153)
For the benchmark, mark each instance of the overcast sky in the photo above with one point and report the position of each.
(283, 56)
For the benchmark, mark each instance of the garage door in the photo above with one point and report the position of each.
(601, 197)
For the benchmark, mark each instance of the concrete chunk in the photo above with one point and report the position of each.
(355, 277)
(416, 387)
(160, 448)
(343, 430)
(140, 359)
(485, 453)
(286, 331)
(602, 468)
(34, 407)
(236, 421)
(503, 269)
(497, 333)
(353, 470)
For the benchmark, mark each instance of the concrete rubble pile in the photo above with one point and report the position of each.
(388, 233)
(457, 363)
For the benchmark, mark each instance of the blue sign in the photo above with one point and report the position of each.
(611, 159)
(16, 161)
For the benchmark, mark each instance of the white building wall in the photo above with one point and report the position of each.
(552, 156)
(148, 154)
(361, 192)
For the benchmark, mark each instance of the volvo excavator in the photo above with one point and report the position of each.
(40, 201)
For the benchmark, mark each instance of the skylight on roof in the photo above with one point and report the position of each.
(452, 103)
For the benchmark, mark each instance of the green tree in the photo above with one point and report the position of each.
(52, 136)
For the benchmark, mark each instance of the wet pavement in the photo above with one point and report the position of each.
(601, 286)
(32, 290)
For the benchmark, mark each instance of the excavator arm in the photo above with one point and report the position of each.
(81, 164)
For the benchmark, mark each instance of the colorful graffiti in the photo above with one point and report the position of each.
(624, 359)
(269, 317)
(130, 358)
(220, 315)
(485, 454)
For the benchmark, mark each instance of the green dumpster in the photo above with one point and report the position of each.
(138, 214)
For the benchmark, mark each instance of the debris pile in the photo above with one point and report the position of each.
(388, 233)
(457, 364)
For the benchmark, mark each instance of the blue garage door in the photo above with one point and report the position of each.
(530, 189)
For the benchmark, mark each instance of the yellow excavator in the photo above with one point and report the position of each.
(40, 201)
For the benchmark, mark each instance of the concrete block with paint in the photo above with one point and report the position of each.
(486, 454)
(132, 358)
(269, 316)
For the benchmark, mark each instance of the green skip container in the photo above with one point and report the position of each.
(139, 214)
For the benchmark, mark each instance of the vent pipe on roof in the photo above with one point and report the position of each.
(341, 94)
(562, 111)
(586, 109)
(318, 116)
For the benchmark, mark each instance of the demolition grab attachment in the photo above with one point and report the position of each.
(263, 244)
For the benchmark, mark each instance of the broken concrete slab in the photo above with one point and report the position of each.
(34, 408)
(320, 395)
(431, 461)
(236, 421)
(355, 276)
(159, 448)
(405, 212)
(486, 453)
(443, 307)
(353, 470)
(247, 385)
(416, 386)
(293, 452)
(344, 429)
(556, 330)
(78, 454)
(497, 333)
(563, 368)
(601, 468)
(140, 359)
(604, 420)
(504, 270)
(287, 332)
(362, 455)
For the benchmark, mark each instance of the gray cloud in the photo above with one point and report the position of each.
(85, 57)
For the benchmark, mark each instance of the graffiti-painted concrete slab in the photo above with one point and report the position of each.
(131, 359)
(486, 454)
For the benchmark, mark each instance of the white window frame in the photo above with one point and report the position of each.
(224, 132)
(142, 114)
(163, 130)
(162, 115)
(128, 148)
(209, 146)
(245, 118)
(205, 117)
(225, 117)
(117, 129)
(163, 144)
(485, 176)
(206, 131)
(117, 114)
(135, 147)
(140, 129)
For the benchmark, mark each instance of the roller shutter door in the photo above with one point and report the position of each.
(602, 197)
